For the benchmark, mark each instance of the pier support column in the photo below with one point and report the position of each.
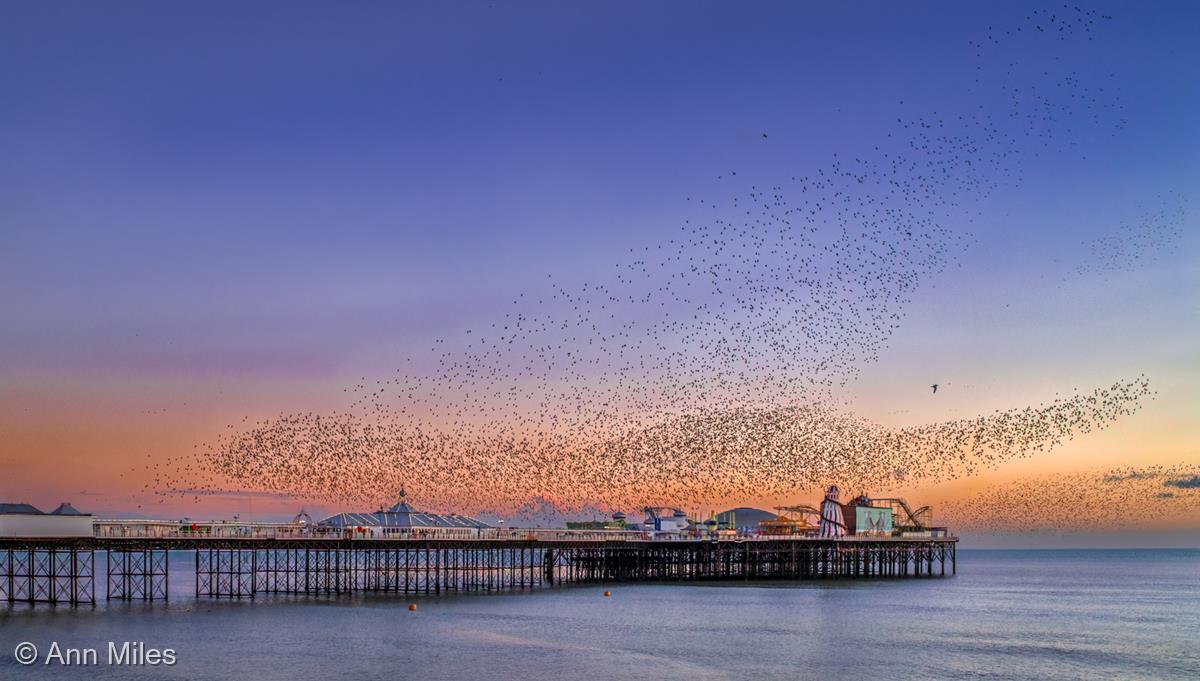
(137, 574)
(223, 572)
(47, 571)
(548, 566)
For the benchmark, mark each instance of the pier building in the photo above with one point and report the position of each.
(402, 520)
(25, 520)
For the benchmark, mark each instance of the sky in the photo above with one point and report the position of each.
(211, 211)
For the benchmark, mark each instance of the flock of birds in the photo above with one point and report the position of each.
(1133, 245)
(1116, 499)
(700, 458)
(716, 365)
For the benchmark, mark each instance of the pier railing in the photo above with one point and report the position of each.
(217, 529)
(114, 529)
(160, 529)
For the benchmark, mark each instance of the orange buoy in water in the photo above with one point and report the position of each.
(412, 607)
(607, 594)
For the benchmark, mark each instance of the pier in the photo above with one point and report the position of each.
(63, 570)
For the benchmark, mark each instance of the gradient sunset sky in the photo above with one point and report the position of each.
(210, 211)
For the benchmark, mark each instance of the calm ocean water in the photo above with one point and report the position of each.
(1007, 615)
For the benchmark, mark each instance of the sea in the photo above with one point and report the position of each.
(1008, 614)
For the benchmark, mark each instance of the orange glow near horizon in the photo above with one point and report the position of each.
(100, 452)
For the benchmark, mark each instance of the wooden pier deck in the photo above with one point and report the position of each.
(63, 570)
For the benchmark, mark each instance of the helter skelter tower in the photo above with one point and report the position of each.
(832, 524)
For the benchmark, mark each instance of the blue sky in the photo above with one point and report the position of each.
(222, 150)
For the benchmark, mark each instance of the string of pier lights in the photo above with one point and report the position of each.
(709, 366)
